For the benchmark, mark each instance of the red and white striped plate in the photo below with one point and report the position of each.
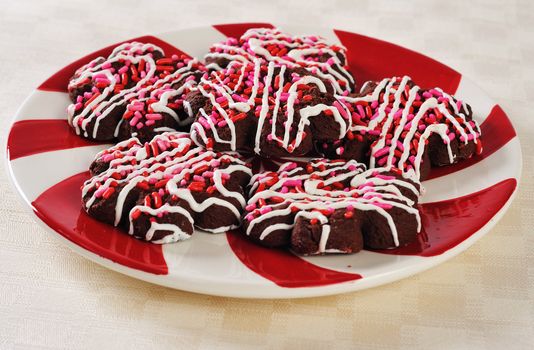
(48, 163)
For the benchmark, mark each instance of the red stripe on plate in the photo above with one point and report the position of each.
(373, 59)
(59, 81)
(282, 267)
(237, 29)
(448, 223)
(29, 137)
(59, 207)
(497, 130)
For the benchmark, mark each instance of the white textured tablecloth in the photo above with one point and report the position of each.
(52, 298)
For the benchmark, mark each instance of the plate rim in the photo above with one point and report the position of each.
(274, 291)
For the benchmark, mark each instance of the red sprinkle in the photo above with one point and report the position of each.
(196, 186)
(238, 117)
(157, 200)
(135, 214)
(108, 192)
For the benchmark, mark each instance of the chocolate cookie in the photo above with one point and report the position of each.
(332, 206)
(314, 53)
(395, 123)
(159, 190)
(271, 110)
(136, 91)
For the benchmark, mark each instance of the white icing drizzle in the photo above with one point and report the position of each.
(260, 84)
(393, 119)
(300, 51)
(175, 160)
(80, 117)
(370, 190)
(177, 234)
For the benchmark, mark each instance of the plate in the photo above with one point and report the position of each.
(48, 163)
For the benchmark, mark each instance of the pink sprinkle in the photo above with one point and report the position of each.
(435, 92)
(381, 152)
(134, 120)
(383, 205)
(361, 111)
(137, 106)
(108, 157)
(292, 183)
(161, 145)
(204, 123)
(382, 161)
(139, 125)
(385, 177)
(452, 136)
(220, 99)
(123, 69)
(237, 97)
(265, 210)
(98, 193)
(341, 110)
(198, 178)
(154, 116)
(400, 146)
(290, 166)
(250, 207)
(102, 80)
(373, 132)
(367, 184)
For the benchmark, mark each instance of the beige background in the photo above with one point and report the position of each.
(52, 298)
